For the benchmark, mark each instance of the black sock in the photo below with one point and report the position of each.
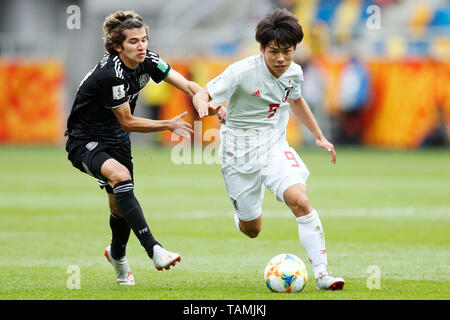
(132, 212)
(120, 235)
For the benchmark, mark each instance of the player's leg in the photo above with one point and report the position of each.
(246, 193)
(310, 228)
(116, 251)
(88, 158)
(119, 227)
(250, 228)
(119, 179)
(288, 183)
(311, 236)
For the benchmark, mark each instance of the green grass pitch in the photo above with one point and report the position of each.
(387, 211)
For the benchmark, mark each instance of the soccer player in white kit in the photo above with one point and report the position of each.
(259, 92)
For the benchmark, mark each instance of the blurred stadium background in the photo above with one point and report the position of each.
(377, 71)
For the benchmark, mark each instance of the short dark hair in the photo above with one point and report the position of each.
(281, 27)
(116, 23)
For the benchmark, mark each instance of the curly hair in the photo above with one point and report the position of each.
(281, 27)
(114, 26)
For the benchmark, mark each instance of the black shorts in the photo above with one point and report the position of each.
(89, 156)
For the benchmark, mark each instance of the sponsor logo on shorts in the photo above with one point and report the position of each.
(91, 145)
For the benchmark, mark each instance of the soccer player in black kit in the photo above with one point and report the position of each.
(98, 131)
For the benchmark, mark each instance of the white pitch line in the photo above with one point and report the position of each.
(96, 200)
(385, 213)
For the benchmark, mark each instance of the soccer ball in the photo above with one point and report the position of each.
(286, 273)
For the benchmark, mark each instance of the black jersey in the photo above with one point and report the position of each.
(110, 84)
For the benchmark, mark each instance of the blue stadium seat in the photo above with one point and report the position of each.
(326, 10)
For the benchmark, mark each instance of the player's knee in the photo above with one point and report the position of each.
(253, 231)
(119, 176)
(300, 204)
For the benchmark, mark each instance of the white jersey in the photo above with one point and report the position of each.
(257, 110)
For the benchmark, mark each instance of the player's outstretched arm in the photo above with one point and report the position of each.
(177, 80)
(303, 113)
(135, 124)
(191, 88)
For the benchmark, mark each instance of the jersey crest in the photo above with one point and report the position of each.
(287, 93)
(143, 79)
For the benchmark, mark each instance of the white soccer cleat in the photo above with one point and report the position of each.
(163, 259)
(327, 282)
(123, 271)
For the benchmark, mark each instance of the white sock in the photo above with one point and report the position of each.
(312, 238)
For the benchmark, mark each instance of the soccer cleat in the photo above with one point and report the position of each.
(123, 271)
(327, 282)
(163, 259)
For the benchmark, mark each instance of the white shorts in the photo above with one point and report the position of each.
(246, 190)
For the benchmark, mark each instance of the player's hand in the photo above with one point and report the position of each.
(180, 127)
(323, 143)
(202, 109)
(208, 109)
(222, 115)
(218, 109)
(213, 108)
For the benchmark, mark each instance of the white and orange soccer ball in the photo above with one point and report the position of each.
(286, 273)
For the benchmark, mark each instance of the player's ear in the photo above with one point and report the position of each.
(118, 48)
(261, 48)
